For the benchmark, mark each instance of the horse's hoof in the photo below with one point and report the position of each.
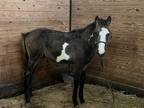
(76, 105)
(82, 101)
(28, 105)
(28, 100)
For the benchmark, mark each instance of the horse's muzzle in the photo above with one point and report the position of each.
(101, 58)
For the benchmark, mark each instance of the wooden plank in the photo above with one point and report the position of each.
(49, 2)
(122, 23)
(33, 7)
(110, 3)
(28, 16)
(130, 10)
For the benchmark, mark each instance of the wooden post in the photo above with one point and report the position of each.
(70, 15)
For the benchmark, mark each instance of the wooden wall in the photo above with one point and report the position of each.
(17, 16)
(124, 59)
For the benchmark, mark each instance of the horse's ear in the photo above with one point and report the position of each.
(108, 20)
(96, 20)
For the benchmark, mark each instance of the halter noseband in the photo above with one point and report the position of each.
(100, 42)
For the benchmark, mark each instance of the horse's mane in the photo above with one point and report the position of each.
(89, 27)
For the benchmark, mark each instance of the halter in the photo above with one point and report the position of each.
(98, 38)
(100, 42)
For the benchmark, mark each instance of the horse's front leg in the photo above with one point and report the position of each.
(82, 81)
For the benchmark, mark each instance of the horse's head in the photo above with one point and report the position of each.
(102, 33)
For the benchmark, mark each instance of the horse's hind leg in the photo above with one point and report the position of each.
(75, 89)
(82, 81)
(77, 71)
(28, 78)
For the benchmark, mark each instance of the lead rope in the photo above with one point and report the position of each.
(110, 88)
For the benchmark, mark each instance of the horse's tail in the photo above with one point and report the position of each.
(24, 48)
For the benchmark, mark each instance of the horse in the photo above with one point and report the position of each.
(76, 48)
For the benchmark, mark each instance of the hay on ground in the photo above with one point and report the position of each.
(59, 96)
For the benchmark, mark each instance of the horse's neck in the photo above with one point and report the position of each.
(92, 46)
(85, 32)
(93, 51)
(88, 32)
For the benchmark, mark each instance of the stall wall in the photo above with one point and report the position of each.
(124, 59)
(16, 17)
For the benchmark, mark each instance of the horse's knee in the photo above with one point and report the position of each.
(28, 77)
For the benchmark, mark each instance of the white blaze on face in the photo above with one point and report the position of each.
(63, 55)
(101, 46)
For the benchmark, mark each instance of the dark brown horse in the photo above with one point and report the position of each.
(76, 48)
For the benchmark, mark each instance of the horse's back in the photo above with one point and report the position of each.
(41, 40)
(34, 41)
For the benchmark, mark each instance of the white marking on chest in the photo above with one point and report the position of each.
(63, 55)
(102, 34)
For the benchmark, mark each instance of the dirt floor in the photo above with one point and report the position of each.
(59, 96)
